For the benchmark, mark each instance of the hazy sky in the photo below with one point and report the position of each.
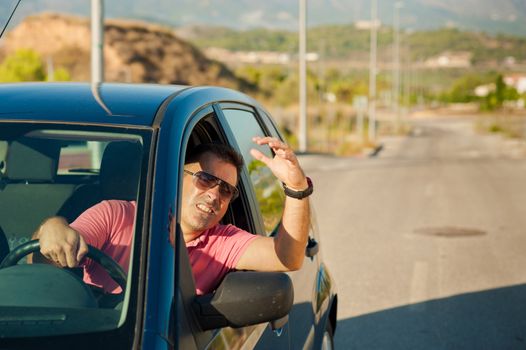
(489, 15)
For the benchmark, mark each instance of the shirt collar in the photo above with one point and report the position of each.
(198, 240)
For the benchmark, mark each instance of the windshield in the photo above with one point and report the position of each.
(52, 170)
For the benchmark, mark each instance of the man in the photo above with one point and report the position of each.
(211, 174)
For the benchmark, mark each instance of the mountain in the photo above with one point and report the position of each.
(346, 42)
(504, 16)
(134, 51)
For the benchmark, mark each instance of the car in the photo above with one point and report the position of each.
(67, 146)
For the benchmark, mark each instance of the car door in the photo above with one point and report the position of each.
(262, 193)
(244, 123)
(208, 125)
(308, 311)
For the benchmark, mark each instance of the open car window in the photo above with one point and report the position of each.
(50, 170)
(269, 194)
(206, 131)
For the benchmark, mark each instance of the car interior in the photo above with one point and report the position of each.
(49, 172)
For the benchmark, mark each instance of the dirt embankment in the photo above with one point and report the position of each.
(133, 51)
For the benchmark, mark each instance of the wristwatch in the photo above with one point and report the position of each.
(299, 194)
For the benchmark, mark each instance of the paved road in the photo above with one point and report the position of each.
(427, 241)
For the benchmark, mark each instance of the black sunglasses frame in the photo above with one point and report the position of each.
(215, 182)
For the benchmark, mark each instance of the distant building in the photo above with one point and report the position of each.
(484, 90)
(460, 59)
(367, 25)
(264, 57)
(312, 56)
(510, 61)
(516, 80)
(254, 57)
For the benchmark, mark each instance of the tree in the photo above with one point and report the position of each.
(23, 65)
(27, 65)
(502, 93)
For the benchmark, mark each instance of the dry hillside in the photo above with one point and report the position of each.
(133, 51)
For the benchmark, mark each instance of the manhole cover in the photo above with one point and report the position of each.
(450, 232)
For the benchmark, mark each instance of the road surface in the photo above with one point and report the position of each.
(427, 241)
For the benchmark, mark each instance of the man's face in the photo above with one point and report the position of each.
(203, 208)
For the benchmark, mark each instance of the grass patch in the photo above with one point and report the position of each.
(513, 127)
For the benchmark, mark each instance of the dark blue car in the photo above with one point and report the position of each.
(66, 147)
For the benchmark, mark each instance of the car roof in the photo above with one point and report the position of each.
(108, 103)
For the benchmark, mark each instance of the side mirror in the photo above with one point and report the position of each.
(245, 298)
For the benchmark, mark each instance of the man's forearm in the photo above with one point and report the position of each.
(293, 233)
(287, 250)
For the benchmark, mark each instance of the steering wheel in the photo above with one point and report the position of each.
(111, 266)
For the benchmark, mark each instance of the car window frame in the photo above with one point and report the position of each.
(270, 123)
(184, 318)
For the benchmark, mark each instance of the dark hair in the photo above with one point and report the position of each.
(221, 151)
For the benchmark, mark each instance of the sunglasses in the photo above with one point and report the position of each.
(207, 181)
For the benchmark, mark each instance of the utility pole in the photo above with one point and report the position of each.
(302, 137)
(97, 41)
(396, 64)
(372, 72)
(407, 86)
(50, 69)
(97, 51)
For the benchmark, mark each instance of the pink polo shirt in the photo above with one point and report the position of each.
(215, 253)
(108, 226)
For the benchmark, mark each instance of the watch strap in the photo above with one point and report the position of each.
(300, 194)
